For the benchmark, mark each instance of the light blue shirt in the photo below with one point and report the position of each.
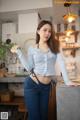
(43, 63)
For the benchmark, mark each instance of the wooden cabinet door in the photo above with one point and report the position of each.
(52, 104)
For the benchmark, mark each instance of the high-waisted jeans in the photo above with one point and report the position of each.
(36, 99)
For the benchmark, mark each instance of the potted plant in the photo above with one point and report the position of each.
(4, 47)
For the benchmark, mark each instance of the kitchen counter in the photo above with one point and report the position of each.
(68, 101)
(19, 79)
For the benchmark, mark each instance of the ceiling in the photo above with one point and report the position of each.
(55, 13)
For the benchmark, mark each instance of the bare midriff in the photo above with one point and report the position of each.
(42, 79)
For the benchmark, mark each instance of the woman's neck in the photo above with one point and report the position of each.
(43, 45)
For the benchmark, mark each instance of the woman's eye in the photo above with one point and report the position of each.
(49, 31)
(44, 30)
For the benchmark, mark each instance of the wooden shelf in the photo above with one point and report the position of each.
(65, 48)
(17, 101)
(62, 33)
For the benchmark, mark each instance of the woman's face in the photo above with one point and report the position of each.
(45, 33)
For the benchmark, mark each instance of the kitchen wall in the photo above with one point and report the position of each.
(24, 39)
(27, 23)
(15, 5)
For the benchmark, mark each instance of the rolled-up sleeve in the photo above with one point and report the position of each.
(27, 62)
(62, 65)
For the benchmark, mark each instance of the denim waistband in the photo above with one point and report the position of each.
(40, 83)
(31, 84)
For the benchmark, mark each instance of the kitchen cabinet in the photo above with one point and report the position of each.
(8, 29)
(27, 23)
(17, 101)
(52, 104)
(68, 102)
(13, 83)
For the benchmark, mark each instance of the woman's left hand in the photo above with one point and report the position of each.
(70, 83)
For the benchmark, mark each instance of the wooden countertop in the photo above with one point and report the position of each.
(12, 79)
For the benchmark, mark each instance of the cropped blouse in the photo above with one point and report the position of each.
(43, 63)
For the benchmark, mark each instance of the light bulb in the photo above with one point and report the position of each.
(69, 32)
(66, 39)
(70, 19)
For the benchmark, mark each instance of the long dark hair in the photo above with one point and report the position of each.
(53, 43)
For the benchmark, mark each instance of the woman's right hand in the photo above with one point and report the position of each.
(14, 48)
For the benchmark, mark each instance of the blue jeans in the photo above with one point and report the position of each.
(36, 99)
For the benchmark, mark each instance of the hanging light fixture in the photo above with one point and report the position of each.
(69, 30)
(69, 17)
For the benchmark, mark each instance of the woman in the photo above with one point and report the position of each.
(41, 58)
